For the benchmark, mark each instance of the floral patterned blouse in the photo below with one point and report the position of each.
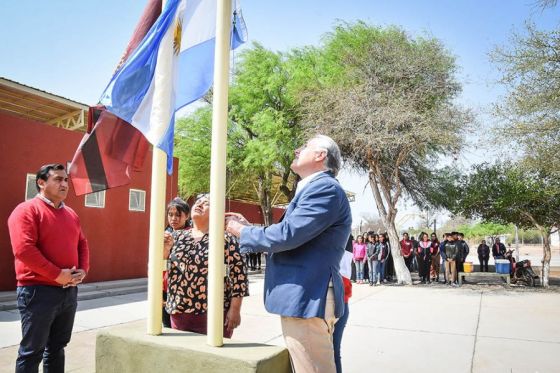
(188, 274)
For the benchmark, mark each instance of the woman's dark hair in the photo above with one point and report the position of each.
(43, 173)
(180, 205)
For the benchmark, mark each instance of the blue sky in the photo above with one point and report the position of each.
(71, 48)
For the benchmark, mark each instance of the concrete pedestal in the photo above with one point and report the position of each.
(128, 349)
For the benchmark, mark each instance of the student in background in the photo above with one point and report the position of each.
(373, 258)
(424, 258)
(384, 255)
(436, 257)
(407, 250)
(483, 252)
(359, 249)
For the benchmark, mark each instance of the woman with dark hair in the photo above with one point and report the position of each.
(188, 276)
(436, 258)
(384, 252)
(389, 263)
(372, 257)
(359, 249)
(177, 213)
(424, 258)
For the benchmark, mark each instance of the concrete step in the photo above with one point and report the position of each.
(92, 290)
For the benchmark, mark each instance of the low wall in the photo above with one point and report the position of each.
(128, 349)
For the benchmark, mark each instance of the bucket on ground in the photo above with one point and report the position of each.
(502, 266)
(468, 267)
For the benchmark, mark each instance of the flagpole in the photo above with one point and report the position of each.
(216, 270)
(159, 118)
(155, 257)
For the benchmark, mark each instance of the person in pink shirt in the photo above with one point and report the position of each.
(359, 255)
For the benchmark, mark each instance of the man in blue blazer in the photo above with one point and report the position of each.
(302, 282)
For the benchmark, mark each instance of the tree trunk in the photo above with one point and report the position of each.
(289, 193)
(545, 271)
(403, 274)
(265, 201)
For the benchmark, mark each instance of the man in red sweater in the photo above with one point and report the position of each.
(51, 258)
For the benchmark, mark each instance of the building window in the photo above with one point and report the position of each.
(96, 199)
(30, 187)
(137, 200)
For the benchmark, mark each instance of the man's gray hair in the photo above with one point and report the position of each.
(333, 161)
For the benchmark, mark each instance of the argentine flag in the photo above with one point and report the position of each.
(172, 67)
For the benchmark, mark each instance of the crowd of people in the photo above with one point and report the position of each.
(313, 305)
(310, 296)
(431, 258)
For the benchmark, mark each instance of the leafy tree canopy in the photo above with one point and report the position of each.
(388, 99)
(530, 112)
(506, 193)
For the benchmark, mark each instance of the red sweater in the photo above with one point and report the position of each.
(406, 247)
(46, 240)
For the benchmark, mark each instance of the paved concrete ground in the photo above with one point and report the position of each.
(476, 328)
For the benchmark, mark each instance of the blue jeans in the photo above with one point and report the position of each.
(381, 270)
(373, 265)
(337, 337)
(47, 317)
(359, 270)
(442, 268)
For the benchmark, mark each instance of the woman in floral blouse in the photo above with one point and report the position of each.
(188, 276)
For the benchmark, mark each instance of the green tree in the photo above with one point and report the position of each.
(388, 101)
(509, 194)
(192, 146)
(530, 112)
(266, 124)
(487, 229)
(264, 130)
